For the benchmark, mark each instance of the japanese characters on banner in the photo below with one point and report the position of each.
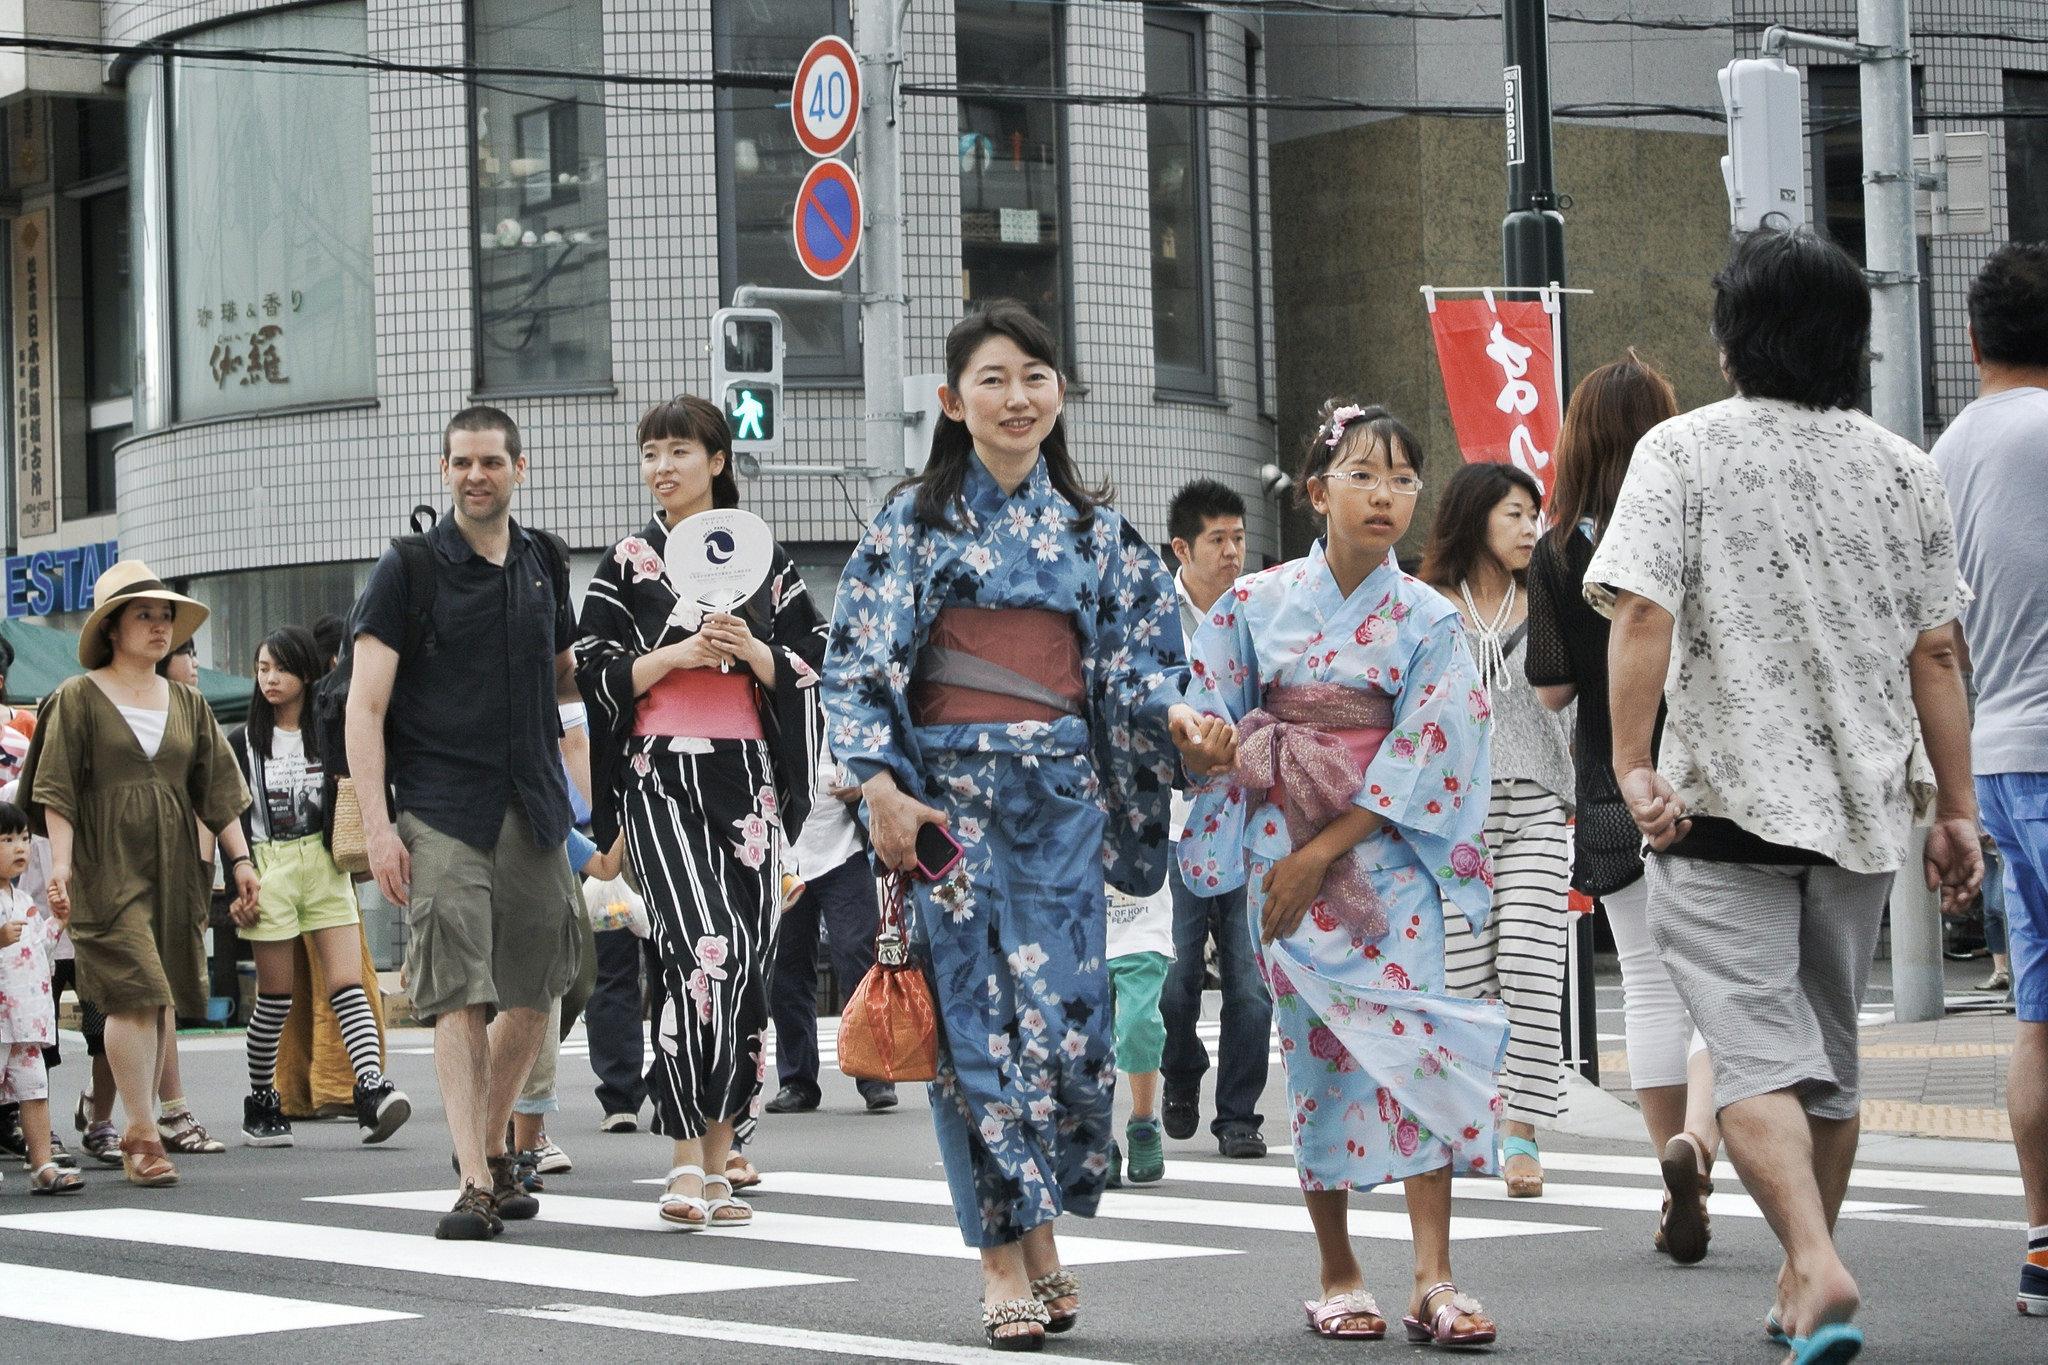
(1499, 361)
(35, 379)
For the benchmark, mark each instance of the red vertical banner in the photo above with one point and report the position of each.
(1499, 361)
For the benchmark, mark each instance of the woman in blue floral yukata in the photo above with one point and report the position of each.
(1353, 817)
(1005, 662)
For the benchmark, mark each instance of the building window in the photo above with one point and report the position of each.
(109, 338)
(757, 44)
(543, 262)
(1012, 159)
(1835, 132)
(1176, 136)
(2026, 156)
(270, 218)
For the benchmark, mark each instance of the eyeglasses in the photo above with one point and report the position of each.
(1366, 480)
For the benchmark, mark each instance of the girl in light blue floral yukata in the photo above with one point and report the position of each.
(1353, 816)
(1005, 661)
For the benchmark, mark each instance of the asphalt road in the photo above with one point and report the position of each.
(1211, 1265)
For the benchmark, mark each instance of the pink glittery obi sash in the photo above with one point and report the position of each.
(1308, 748)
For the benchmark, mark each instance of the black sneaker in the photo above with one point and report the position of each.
(881, 1097)
(473, 1219)
(508, 1191)
(1181, 1114)
(13, 1142)
(263, 1121)
(1242, 1144)
(381, 1109)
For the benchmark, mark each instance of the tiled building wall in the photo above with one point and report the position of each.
(263, 492)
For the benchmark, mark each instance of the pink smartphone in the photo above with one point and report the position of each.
(937, 852)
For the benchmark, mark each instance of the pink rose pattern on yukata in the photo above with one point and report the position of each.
(1387, 1077)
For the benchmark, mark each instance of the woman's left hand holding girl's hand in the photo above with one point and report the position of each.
(732, 635)
(247, 886)
(1207, 744)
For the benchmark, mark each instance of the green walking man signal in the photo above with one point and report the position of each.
(746, 376)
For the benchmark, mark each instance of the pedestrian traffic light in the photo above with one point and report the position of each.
(1765, 168)
(746, 376)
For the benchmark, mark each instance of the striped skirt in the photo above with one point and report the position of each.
(704, 840)
(1519, 957)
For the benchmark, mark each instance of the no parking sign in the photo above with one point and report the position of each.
(827, 220)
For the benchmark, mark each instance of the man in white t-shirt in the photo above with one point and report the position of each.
(1785, 578)
(1994, 457)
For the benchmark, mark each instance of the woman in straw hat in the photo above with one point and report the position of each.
(124, 767)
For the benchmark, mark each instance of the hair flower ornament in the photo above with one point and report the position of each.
(1339, 419)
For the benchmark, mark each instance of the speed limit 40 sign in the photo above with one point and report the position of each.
(825, 102)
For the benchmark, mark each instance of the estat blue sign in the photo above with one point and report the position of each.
(51, 581)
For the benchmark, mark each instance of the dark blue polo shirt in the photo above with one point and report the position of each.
(473, 719)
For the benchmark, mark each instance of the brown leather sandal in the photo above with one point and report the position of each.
(145, 1163)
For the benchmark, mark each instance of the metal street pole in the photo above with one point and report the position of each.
(1532, 234)
(1892, 253)
(1532, 256)
(876, 31)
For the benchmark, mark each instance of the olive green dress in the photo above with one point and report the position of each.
(138, 890)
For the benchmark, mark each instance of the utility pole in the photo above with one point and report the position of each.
(1532, 234)
(877, 33)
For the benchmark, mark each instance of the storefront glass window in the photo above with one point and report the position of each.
(544, 302)
(270, 218)
(1011, 163)
(761, 165)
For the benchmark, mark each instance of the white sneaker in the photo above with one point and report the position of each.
(550, 1159)
(619, 1123)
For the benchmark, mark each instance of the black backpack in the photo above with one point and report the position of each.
(416, 558)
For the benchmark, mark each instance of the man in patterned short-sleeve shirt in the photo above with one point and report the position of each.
(1785, 574)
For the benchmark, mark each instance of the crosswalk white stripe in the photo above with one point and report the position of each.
(764, 1334)
(1868, 1177)
(502, 1262)
(1146, 1208)
(167, 1312)
(1933, 1221)
(1636, 1197)
(854, 1234)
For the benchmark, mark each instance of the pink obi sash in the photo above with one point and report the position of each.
(1308, 748)
(700, 703)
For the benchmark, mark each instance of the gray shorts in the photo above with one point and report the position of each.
(1772, 962)
(494, 927)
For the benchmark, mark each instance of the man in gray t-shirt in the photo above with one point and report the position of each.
(1994, 459)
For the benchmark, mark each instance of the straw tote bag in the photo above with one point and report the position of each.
(351, 851)
(889, 1028)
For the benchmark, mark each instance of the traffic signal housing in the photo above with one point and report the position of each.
(1765, 167)
(746, 377)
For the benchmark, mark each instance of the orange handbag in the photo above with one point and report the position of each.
(889, 1028)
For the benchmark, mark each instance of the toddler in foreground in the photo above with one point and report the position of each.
(28, 1012)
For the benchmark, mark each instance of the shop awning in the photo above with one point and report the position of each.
(45, 656)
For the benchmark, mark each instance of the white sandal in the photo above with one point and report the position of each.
(711, 1209)
(677, 1209)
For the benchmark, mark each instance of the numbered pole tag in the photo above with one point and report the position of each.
(824, 103)
(719, 559)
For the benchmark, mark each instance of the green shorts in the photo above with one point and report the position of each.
(303, 891)
(488, 926)
(1135, 981)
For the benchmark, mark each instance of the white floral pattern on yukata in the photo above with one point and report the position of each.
(1801, 553)
(28, 1013)
(1388, 1076)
